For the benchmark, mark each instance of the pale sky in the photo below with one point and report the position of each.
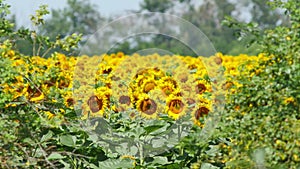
(23, 9)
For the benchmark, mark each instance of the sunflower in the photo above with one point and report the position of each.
(200, 113)
(169, 80)
(202, 109)
(157, 72)
(218, 58)
(146, 106)
(227, 85)
(134, 95)
(139, 79)
(49, 115)
(94, 107)
(95, 104)
(142, 72)
(20, 90)
(148, 85)
(160, 101)
(166, 87)
(69, 102)
(202, 86)
(103, 91)
(124, 103)
(124, 100)
(288, 100)
(175, 107)
(38, 96)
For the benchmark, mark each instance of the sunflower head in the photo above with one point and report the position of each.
(148, 86)
(227, 85)
(95, 104)
(218, 60)
(201, 112)
(124, 103)
(124, 100)
(169, 80)
(200, 88)
(147, 107)
(167, 90)
(69, 102)
(175, 107)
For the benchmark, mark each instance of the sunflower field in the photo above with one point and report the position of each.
(152, 111)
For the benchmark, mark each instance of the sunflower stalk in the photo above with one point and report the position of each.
(179, 130)
(141, 152)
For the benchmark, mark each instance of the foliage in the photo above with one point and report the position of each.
(78, 16)
(262, 118)
(158, 6)
(208, 18)
(45, 130)
(39, 45)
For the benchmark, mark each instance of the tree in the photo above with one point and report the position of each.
(156, 6)
(77, 17)
(208, 18)
(30, 42)
(146, 41)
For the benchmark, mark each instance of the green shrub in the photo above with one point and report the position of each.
(262, 117)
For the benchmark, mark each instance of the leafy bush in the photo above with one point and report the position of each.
(262, 116)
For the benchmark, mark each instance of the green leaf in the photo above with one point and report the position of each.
(213, 151)
(160, 160)
(66, 165)
(93, 137)
(29, 141)
(55, 156)
(150, 129)
(208, 166)
(47, 136)
(116, 163)
(68, 140)
(139, 131)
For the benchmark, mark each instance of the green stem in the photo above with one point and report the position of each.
(179, 130)
(33, 47)
(140, 146)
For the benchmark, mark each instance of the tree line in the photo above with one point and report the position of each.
(81, 16)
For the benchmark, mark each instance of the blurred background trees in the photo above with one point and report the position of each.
(83, 17)
(79, 16)
(208, 17)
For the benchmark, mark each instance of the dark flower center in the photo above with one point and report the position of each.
(201, 112)
(95, 104)
(176, 106)
(148, 106)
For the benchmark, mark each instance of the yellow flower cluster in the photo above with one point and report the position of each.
(36, 80)
(154, 85)
(150, 85)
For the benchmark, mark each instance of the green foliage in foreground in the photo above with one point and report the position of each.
(264, 129)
